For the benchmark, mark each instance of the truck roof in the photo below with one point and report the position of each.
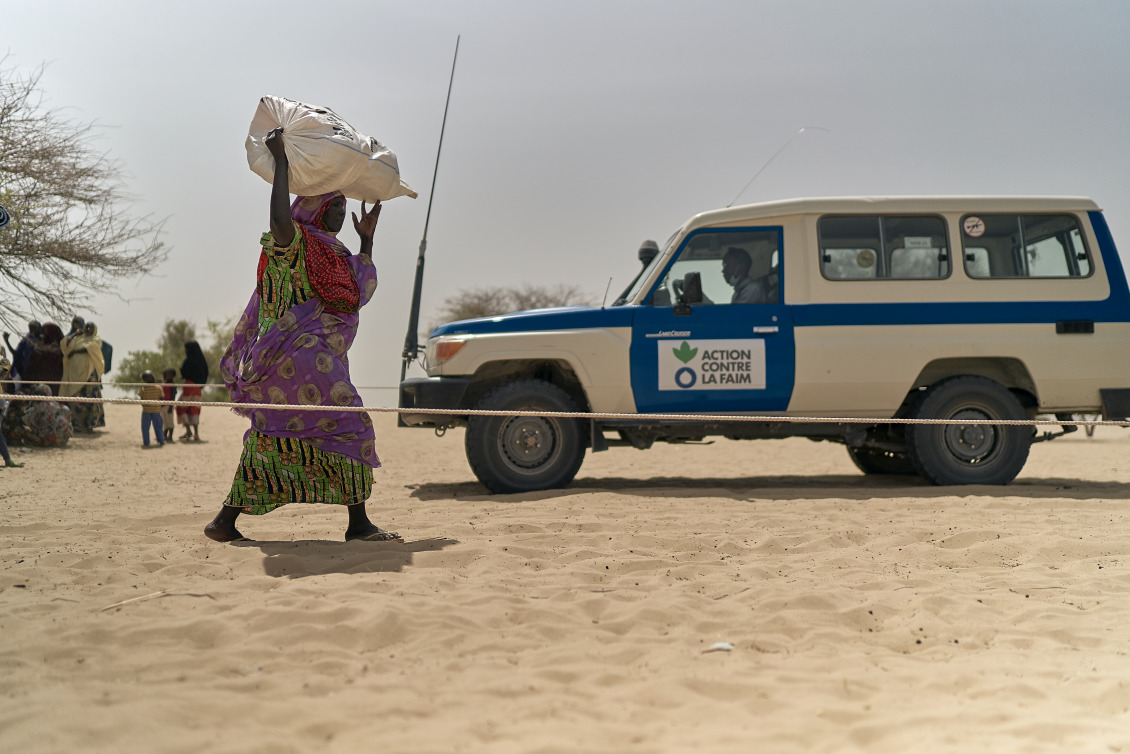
(867, 204)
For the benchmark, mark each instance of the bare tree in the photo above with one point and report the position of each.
(71, 234)
(492, 301)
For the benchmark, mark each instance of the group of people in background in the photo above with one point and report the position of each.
(46, 362)
(159, 418)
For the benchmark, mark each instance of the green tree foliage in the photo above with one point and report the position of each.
(169, 353)
(71, 234)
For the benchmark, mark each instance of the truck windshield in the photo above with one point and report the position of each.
(637, 283)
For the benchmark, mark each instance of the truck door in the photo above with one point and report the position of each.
(734, 352)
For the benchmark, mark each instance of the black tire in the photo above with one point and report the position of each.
(876, 461)
(524, 453)
(969, 454)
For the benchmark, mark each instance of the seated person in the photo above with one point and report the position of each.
(736, 266)
(751, 276)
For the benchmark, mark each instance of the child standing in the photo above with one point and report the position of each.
(151, 412)
(168, 413)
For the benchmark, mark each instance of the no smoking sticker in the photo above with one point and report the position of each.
(974, 227)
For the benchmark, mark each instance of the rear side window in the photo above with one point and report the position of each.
(891, 247)
(1024, 246)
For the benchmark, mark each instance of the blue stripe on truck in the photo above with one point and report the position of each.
(539, 320)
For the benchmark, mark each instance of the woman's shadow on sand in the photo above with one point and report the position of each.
(317, 557)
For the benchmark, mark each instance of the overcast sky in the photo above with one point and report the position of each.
(577, 129)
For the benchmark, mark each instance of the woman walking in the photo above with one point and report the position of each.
(290, 347)
(194, 370)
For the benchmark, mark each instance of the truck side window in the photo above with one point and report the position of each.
(736, 267)
(894, 247)
(1024, 246)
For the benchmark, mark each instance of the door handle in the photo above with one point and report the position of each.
(1076, 327)
(765, 329)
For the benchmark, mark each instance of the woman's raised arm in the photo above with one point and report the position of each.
(282, 229)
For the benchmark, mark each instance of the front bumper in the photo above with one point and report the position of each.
(431, 393)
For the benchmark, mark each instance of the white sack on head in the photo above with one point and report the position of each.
(325, 153)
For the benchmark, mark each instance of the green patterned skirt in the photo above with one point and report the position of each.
(274, 471)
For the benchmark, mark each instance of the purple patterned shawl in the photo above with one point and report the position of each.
(302, 359)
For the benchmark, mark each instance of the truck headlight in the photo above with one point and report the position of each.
(441, 349)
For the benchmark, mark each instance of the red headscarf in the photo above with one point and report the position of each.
(326, 268)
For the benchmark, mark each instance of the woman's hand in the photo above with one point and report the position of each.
(274, 144)
(366, 226)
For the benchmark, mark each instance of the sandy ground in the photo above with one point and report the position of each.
(865, 614)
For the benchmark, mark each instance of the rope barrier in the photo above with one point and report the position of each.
(160, 384)
(586, 414)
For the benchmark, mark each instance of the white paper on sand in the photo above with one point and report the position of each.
(325, 153)
(722, 646)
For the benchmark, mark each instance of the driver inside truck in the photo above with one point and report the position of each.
(737, 266)
(749, 272)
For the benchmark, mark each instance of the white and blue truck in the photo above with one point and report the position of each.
(977, 308)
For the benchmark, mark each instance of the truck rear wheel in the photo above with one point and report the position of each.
(969, 453)
(525, 453)
(876, 461)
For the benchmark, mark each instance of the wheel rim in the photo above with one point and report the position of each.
(971, 443)
(528, 443)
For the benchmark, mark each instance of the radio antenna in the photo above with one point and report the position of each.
(606, 289)
(412, 338)
(789, 141)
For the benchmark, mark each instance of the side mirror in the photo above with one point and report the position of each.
(648, 251)
(690, 293)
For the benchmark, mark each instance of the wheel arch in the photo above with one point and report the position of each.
(1009, 372)
(557, 372)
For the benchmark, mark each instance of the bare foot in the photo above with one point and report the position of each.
(221, 532)
(371, 533)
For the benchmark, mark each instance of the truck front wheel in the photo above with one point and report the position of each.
(525, 453)
(969, 453)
